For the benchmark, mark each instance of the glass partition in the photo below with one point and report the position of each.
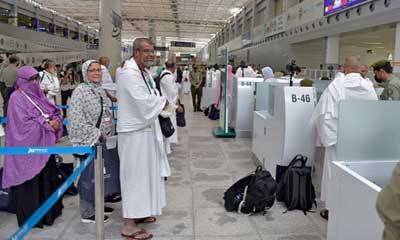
(368, 131)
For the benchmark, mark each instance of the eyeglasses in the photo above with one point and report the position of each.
(147, 51)
(94, 70)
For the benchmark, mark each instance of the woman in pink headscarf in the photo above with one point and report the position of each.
(31, 121)
(218, 89)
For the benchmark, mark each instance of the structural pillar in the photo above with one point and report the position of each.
(163, 54)
(396, 59)
(332, 50)
(37, 22)
(110, 32)
(13, 17)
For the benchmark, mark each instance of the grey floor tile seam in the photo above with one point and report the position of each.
(254, 225)
(189, 157)
(77, 214)
(323, 233)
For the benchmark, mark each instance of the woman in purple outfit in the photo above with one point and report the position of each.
(32, 121)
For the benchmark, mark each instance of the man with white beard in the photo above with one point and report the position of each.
(350, 86)
(144, 163)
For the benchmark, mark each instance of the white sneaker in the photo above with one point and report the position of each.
(92, 219)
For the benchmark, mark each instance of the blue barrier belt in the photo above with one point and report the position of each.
(44, 150)
(63, 106)
(39, 213)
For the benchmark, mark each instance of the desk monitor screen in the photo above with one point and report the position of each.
(334, 6)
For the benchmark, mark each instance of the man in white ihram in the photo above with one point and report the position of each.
(170, 90)
(144, 162)
(350, 86)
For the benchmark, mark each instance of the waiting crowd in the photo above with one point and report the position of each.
(148, 100)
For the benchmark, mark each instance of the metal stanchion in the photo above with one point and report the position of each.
(99, 192)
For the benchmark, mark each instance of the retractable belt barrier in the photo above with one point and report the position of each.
(42, 210)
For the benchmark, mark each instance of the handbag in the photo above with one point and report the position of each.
(167, 128)
(180, 117)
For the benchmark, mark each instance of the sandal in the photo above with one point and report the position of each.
(136, 234)
(324, 214)
(146, 220)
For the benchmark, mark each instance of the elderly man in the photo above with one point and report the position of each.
(49, 82)
(384, 72)
(141, 149)
(351, 86)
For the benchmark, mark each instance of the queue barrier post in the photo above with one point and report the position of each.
(44, 208)
(99, 191)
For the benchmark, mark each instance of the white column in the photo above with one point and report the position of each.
(37, 19)
(396, 59)
(110, 32)
(332, 50)
(13, 18)
(163, 54)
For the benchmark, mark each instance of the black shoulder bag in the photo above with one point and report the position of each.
(167, 128)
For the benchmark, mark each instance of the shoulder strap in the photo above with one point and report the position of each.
(101, 111)
(158, 82)
(41, 79)
(145, 82)
(34, 104)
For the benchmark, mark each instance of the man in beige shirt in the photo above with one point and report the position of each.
(9, 76)
(196, 88)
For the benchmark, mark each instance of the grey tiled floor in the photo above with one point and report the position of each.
(203, 167)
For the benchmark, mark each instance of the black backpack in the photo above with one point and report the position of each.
(295, 187)
(251, 194)
(157, 80)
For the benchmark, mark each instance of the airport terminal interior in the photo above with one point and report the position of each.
(200, 120)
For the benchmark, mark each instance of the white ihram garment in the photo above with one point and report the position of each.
(186, 81)
(144, 163)
(170, 90)
(51, 83)
(349, 87)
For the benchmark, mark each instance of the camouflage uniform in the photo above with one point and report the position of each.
(388, 206)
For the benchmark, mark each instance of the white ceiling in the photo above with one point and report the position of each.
(181, 20)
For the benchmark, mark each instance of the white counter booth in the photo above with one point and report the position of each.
(368, 149)
(281, 127)
(244, 102)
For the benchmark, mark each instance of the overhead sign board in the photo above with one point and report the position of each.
(276, 25)
(183, 44)
(161, 49)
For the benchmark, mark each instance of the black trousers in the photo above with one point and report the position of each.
(197, 93)
(7, 94)
(30, 195)
(64, 100)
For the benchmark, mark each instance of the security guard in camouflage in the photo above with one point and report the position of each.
(388, 206)
(384, 71)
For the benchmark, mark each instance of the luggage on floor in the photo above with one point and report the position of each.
(180, 117)
(295, 187)
(111, 176)
(252, 194)
(213, 113)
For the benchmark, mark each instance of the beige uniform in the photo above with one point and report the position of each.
(388, 206)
